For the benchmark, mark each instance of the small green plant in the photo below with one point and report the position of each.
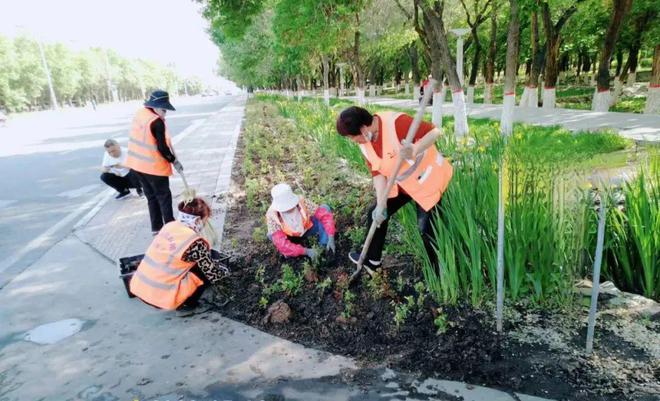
(291, 283)
(324, 285)
(377, 284)
(348, 298)
(420, 289)
(259, 234)
(263, 302)
(260, 275)
(400, 283)
(440, 322)
(402, 310)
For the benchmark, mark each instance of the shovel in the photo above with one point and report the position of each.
(392, 179)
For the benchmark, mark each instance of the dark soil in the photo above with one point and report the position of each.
(469, 350)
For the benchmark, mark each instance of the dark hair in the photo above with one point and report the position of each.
(196, 207)
(352, 119)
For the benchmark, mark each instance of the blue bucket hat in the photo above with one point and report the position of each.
(159, 99)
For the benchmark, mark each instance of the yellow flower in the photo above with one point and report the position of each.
(482, 149)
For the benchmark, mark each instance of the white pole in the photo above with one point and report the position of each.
(596, 278)
(500, 244)
(53, 99)
(459, 58)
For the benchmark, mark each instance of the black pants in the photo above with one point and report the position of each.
(159, 198)
(375, 251)
(122, 184)
(194, 298)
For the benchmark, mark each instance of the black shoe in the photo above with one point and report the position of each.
(140, 193)
(373, 264)
(123, 195)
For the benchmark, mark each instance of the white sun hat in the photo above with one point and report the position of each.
(283, 198)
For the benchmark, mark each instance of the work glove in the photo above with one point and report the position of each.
(406, 150)
(379, 215)
(311, 253)
(178, 166)
(330, 246)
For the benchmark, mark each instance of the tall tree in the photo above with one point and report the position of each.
(435, 36)
(530, 95)
(553, 40)
(474, 20)
(492, 53)
(511, 72)
(653, 97)
(602, 99)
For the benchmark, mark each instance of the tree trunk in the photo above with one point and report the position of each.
(356, 66)
(490, 63)
(512, 44)
(619, 61)
(552, 45)
(437, 40)
(602, 97)
(530, 97)
(326, 83)
(475, 65)
(653, 96)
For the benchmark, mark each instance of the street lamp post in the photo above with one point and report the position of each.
(53, 99)
(459, 32)
(341, 78)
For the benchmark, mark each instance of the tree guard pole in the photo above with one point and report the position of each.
(391, 181)
(500, 242)
(596, 278)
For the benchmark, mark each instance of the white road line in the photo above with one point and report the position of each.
(48, 234)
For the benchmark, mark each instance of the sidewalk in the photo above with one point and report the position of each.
(638, 127)
(112, 348)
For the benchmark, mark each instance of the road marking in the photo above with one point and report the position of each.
(6, 202)
(78, 192)
(48, 234)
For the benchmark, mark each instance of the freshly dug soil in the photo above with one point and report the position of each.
(539, 354)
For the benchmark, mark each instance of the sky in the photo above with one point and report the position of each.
(166, 31)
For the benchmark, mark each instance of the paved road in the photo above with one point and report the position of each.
(50, 170)
(638, 127)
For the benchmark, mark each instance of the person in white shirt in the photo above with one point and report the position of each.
(115, 173)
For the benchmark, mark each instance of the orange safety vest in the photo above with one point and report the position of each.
(143, 154)
(425, 179)
(306, 218)
(163, 278)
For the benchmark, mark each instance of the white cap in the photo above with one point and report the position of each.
(283, 198)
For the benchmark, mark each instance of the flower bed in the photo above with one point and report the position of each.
(411, 316)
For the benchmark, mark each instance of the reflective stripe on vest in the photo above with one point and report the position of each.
(163, 278)
(307, 221)
(143, 154)
(425, 179)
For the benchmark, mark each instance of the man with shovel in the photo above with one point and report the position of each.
(151, 156)
(421, 173)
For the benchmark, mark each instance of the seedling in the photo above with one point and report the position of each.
(260, 275)
(263, 302)
(324, 285)
(291, 283)
(420, 288)
(402, 310)
(348, 298)
(440, 322)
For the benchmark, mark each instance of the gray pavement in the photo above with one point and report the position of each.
(638, 127)
(70, 332)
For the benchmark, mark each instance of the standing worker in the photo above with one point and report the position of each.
(423, 177)
(151, 156)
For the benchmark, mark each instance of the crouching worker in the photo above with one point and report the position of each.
(178, 267)
(290, 218)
